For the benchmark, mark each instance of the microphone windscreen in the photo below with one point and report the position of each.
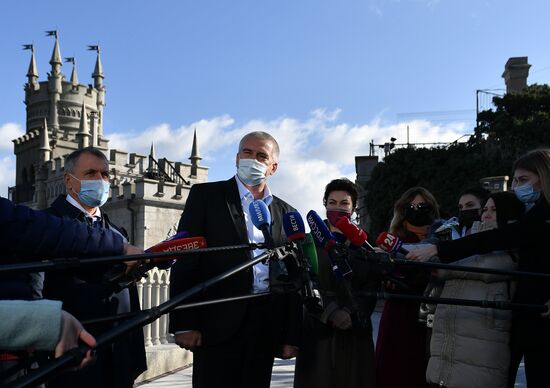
(388, 242)
(310, 252)
(293, 225)
(180, 244)
(321, 234)
(259, 213)
(353, 233)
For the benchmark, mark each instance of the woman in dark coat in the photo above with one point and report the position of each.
(337, 348)
(530, 331)
(401, 357)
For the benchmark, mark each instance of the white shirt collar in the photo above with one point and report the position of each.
(75, 203)
(245, 193)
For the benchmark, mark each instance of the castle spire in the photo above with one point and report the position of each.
(152, 151)
(83, 134)
(56, 55)
(45, 150)
(97, 75)
(195, 157)
(32, 73)
(54, 79)
(74, 75)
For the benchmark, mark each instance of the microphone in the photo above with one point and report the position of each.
(118, 279)
(178, 242)
(357, 236)
(325, 239)
(295, 231)
(310, 252)
(390, 243)
(261, 218)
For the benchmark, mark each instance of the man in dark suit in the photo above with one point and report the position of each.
(82, 292)
(234, 344)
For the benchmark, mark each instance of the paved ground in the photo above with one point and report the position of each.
(283, 372)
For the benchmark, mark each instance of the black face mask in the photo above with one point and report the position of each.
(467, 217)
(419, 216)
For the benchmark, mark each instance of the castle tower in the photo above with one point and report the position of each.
(58, 101)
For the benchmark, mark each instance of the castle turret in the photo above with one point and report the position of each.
(98, 77)
(74, 75)
(45, 149)
(195, 157)
(83, 134)
(55, 77)
(32, 73)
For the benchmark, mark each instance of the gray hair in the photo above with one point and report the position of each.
(72, 159)
(261, 136)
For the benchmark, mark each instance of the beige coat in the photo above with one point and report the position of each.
(469, 345)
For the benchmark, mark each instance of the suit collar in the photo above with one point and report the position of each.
(233, 201)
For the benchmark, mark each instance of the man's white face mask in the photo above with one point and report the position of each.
(251, 172)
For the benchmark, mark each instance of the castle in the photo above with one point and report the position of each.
(147, 194)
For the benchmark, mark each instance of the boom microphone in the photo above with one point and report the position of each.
(119, 278)
(295, 231)
(357, 236)
(390, 243)
(310, 252)
(261, 218)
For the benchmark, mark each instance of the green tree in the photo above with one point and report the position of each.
(520, 122)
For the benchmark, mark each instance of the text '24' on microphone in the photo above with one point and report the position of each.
(390, 243)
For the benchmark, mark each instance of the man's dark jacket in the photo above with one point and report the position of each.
(213, 210)
(85, 296)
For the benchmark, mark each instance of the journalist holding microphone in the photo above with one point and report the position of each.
(529, 235)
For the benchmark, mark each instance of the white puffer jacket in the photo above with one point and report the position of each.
(469, 345)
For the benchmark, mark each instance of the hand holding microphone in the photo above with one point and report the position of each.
(392, 244)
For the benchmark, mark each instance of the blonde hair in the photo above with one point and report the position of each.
(537, 162)
(397, 225)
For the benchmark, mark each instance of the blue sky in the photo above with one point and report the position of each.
(325, 77)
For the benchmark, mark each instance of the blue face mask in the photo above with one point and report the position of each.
(527, 194)
(93, 193)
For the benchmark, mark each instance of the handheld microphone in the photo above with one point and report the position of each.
(324, 239)
(261, 218)
(390, 243)
(357, 236)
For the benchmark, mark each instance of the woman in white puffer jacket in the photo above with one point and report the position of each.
(469, 346)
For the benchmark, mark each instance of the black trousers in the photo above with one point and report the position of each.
(536, 361)
(245, 361)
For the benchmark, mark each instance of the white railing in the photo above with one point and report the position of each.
(153, 291)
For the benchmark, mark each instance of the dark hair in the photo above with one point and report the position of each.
(342, 184)
(508, 207)
(72, 158)
(478, 192)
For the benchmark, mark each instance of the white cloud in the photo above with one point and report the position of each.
(313, 151)
(7, 175)
(9, 132)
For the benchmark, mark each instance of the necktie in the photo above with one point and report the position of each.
(97, 222)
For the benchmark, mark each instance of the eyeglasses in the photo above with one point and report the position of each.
(420, 206)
